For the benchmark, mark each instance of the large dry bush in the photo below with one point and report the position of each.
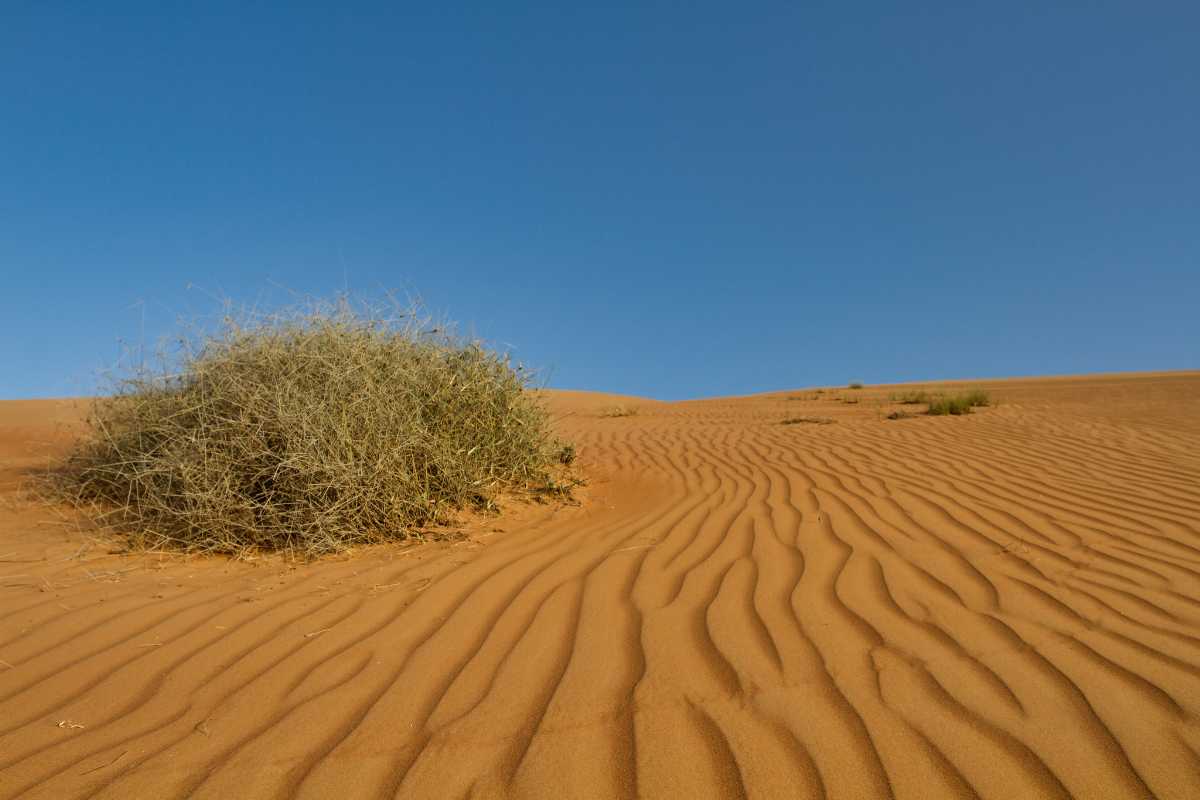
(310, 432)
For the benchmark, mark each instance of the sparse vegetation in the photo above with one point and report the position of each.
(978, 397)
(855, 385)
(619, 411)
(957, 404)
(807, 421)
(940, 404)
(309, 432)
(912, 398)
(900, 415)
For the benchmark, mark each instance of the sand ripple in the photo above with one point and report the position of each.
(1005, 605)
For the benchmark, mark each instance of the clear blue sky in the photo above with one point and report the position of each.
(675, 200)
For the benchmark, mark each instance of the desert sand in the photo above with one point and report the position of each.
(1000, 605)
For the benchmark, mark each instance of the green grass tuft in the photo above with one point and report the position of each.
(977, 397)
(911, 398)
(957, 404)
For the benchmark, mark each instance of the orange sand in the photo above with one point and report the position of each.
(1005, 605)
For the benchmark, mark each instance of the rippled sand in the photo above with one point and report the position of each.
(1003, 605)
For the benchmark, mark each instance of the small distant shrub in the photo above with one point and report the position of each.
(900, 415)
(977, 397)
(957, 404)
(941, 406)
(911, 398)
(619, 411)
(855, 385)
(807, 421)
(310, 431)
(849, 400)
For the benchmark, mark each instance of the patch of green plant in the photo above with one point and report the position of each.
(807, 421)
(977, 397)
(619, 411)
(911, 398)
(957, 404)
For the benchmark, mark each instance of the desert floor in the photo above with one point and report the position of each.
(1003, 605)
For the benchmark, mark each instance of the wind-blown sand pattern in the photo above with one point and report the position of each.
(1003, 605)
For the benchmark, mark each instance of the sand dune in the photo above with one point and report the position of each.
(1004, 605)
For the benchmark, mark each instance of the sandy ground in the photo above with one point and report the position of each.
(1005, 605)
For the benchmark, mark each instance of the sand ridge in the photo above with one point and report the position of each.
(1000, 605)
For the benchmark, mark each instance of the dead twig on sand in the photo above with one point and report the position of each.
(109, 576)
(109, 764)
(635, 547)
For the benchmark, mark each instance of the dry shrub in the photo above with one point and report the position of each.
(310, 431)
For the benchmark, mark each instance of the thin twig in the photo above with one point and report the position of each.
(109, 764)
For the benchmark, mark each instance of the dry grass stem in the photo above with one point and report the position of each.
(108, 764)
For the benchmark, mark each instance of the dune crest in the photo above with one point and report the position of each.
(1003, 604)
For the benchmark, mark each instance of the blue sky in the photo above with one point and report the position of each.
(676, 200)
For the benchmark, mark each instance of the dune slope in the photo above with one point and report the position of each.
(1000, 605)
